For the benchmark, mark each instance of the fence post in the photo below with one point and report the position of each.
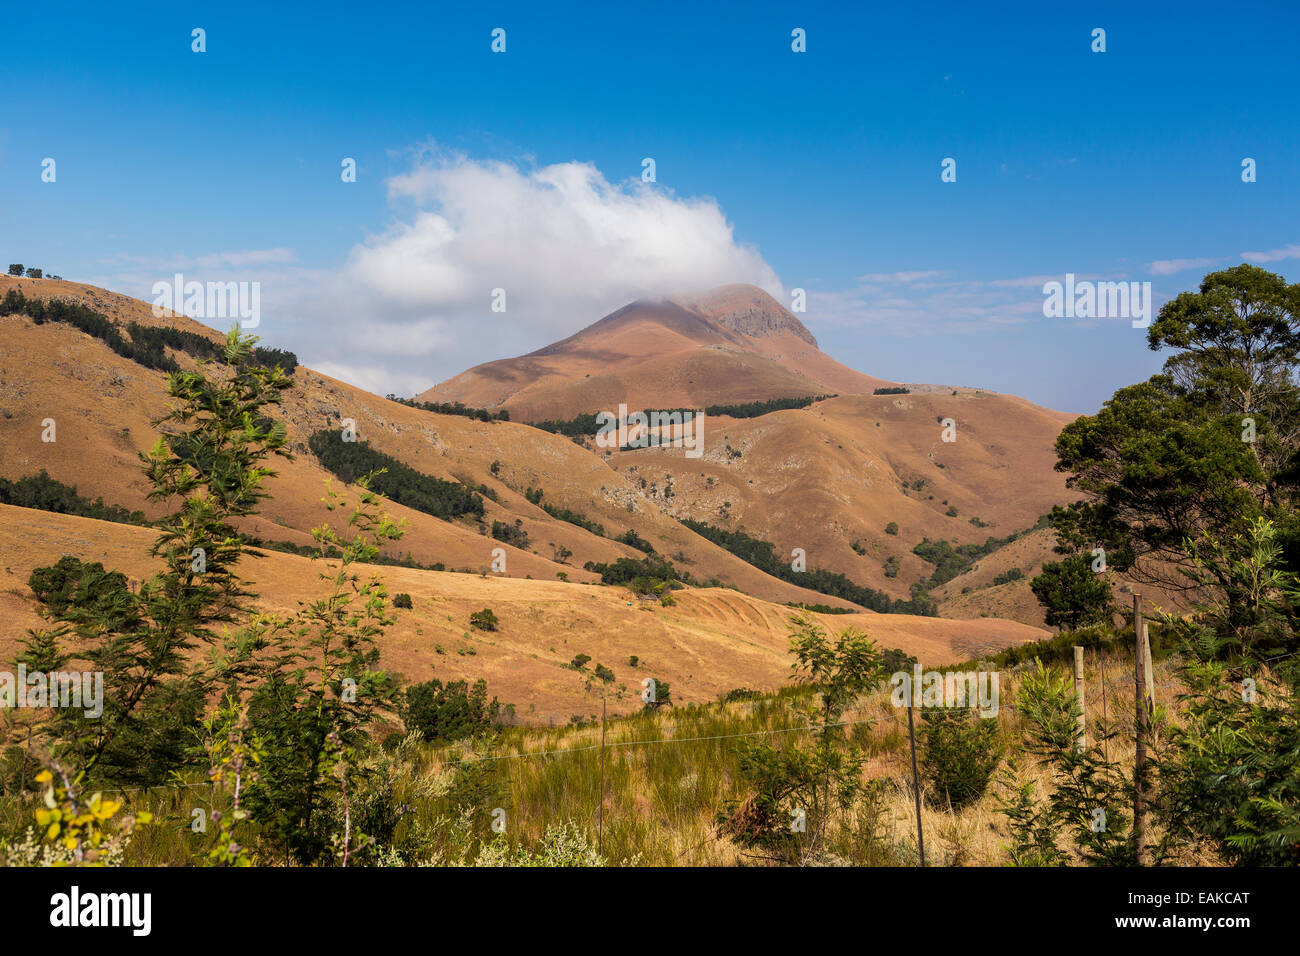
(916, 783)
(1081, 740)
(1141, 731)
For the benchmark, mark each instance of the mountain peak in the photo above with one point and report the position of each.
(748, 310)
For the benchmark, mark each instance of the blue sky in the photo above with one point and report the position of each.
(522, 170)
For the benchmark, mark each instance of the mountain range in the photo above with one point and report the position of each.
(873, 488)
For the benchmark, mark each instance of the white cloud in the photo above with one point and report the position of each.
(565, 244)
(250, 257)
(244, 258)
(411, 305)
(1028, 282)
(1167, 267)
(904, 277)
(905, 307)
(1273, 255)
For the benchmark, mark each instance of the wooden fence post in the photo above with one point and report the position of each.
(1081, 742)
(1141, 731)
(916, 783)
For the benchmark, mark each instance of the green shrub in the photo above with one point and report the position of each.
(402, 600)
(628, 570)
(631, 538)
(448, 712)
(663, 695)
(484, 620)
(961, 753)
(512, 534)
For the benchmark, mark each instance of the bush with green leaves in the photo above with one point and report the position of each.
(792, 791)
(960, 753)
(324, 692)
(512, 534)
(651, 571)
(484, 620)
(1072, 594)
(1085, 811)
(562, 845)
(1229, 774)
(450, 711)
(402, 600)
(659, 692)
(632, 539)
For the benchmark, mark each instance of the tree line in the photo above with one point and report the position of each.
(144, 344)
(42, 492)
(762, 555)
(350, 461)
(453, 408)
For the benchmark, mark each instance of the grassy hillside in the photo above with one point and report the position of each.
(709, 641)
(667, 774)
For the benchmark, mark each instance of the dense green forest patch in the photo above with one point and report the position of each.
(350, 461)
(762, 555)
(44, 493)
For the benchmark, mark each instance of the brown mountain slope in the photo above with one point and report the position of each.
(974, 594)
(709, 642)
(822, 479)
(103, 404)
(734, 344)
(835, 474)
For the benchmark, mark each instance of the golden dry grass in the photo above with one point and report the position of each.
(710, 641)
